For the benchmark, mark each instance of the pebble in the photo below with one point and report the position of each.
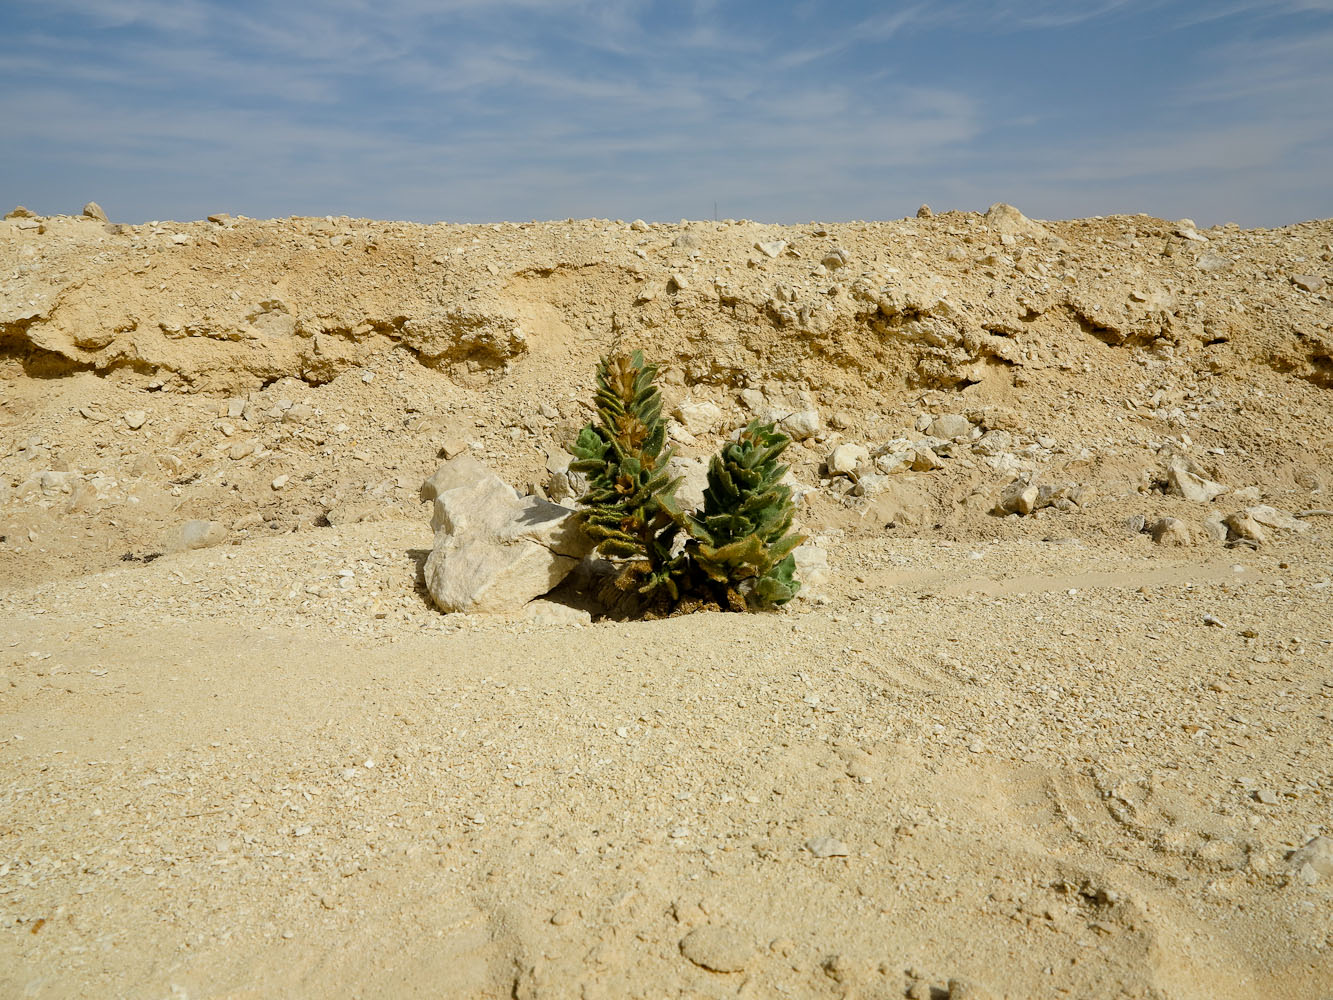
(771, 249)
(1266, 796)
(280, 482)
(134, 419)
(826, 847)
(717, 949)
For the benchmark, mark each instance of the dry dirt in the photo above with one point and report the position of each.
(989, 756)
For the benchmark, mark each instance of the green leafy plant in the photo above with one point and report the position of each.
(630, 501)
(742, 541)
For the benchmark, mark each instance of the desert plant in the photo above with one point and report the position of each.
(741, 539)
(630, 500)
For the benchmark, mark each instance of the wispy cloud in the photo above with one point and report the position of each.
(483, 108)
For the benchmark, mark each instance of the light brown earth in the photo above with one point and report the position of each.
(989, 756)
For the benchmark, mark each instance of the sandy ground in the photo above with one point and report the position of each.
(989, 757)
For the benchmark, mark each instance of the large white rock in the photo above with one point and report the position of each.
(462, 470)
(494, 551)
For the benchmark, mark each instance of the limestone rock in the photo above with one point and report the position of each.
(1171, 531)
(1250, 524)
(202, 534)
(699, 417)
(924, 212)
(1010, 221)
(1308, 282)
(800, 425)
(693, 473)
(844, 459)
(495, 552)
(771, 249)
(1181, 482)
(92, 210)
(1018, 498)
(717, 949)
(462, 470)
(1313, 861)
(950, 427)
(811, 566)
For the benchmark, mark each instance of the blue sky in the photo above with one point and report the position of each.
(475, 110)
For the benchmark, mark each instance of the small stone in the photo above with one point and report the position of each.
(1213, 263)
(1266, 796)
(19, 212)
(844, 459)
(1213, 621)
(699, 417)
(1019, 498)
(826, 847)
(298, 413)
(202, 534)
(800, 425)
(1136, 523)
(1308, 282)
(835, 258)
(1182, 482)
(1317, 855)
(301, 831)
(924, 212)
(950, 427)
(717, 949)
(994, 442)
(687, 241)
(280, 482)
(639, 226)
(92, 210)
(1170, 531)
(772, 248)
(563, 916)
(134, 419)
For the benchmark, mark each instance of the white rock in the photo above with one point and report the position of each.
(699, 417)
(693, 473)
(950, 427)
(826, 847)
(771, 249)
(1170, 531)
(1181, 482)
(1018, 498)
(1010, 221)
(280, 481)
(462, 470)
(801, 424)
(843, 460)
(994, 442)
(134, 419)
(495, 552)
(202, 534)
(811, 566)
(639, 226)
(1317, 856)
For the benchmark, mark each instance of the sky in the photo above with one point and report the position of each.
(484, 110)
